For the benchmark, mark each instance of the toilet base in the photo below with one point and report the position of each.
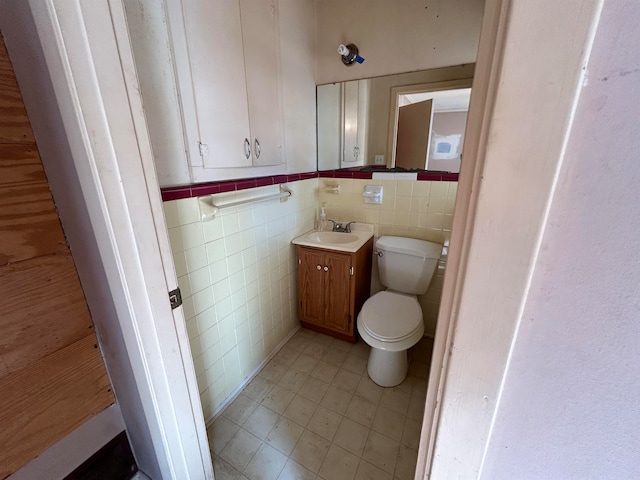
(386, 368)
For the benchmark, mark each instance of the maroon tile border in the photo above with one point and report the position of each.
(356, 173)
(176, 193)
(199, 189)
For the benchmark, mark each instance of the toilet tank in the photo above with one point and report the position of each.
(407, 264)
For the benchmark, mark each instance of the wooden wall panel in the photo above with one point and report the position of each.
(29, 223)
(14, 123)
(48, 310)
(47, 400)
(20, 165)
(52, 375)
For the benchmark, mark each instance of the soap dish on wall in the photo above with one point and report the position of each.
(372, 194)
(332, 188)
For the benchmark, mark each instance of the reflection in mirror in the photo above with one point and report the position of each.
(429, 129)
(413, 120)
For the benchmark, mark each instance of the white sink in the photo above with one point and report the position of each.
(340, 241)
(337, 238)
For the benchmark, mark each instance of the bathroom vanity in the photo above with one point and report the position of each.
(334, 278)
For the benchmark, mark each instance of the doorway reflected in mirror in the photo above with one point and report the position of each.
(430, 129)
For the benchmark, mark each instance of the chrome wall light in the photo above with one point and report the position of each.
(349, 54)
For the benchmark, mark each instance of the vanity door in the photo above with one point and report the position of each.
(311, 285)
(338, 286)
(328, 288)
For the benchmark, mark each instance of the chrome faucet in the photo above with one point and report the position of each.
(333, 228)
(342, 227)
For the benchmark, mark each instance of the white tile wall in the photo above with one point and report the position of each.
(416, 209)
(237, 275)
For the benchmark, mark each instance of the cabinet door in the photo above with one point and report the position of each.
(329, 121)
(310, 285)
(363, 120)
(214, 38)
(350, 135)
(337, 292)
(261, 58)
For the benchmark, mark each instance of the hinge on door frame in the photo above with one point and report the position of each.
(175, 298)
(203, 149)
(351, 271)
(299, 261)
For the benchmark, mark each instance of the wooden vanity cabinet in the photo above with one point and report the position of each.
(332, 286)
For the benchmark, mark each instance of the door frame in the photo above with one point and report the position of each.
(123, 254)
(505, 189)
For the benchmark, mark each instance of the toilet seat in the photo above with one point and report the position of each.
(391, 317)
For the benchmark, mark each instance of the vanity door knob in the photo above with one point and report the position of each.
(319, 267)
(326, 269)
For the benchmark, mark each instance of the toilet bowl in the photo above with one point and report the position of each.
(390, 322)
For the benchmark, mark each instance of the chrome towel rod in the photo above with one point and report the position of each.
(208, 209)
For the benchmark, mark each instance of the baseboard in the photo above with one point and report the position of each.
(69, 453)
(216, 413)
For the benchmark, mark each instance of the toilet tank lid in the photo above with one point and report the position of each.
(409, 246)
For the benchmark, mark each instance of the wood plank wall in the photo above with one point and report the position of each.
(52, 375)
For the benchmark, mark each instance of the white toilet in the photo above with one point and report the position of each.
(391, 321)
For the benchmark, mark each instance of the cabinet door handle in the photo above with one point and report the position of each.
(319, 267)
(247, 148)
(326, 269)
(258, 148)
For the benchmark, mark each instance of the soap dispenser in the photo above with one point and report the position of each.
(322, 221)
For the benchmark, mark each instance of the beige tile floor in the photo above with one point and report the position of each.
(313, 413)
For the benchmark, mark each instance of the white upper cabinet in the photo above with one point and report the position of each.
(261, 60)
(229, 83)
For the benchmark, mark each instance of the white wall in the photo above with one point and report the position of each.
(396, 37)
(569, 407)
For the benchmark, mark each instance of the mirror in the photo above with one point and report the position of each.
(411, 121)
